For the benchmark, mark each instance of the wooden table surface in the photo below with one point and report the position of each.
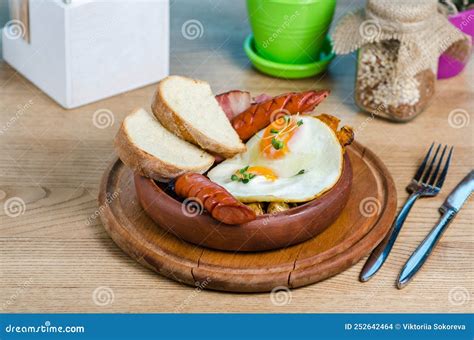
(55, 254)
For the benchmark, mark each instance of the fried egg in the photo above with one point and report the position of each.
(294, 159)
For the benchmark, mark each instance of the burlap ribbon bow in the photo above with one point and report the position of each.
(424, 34)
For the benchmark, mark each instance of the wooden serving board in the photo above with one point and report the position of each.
(361, 226)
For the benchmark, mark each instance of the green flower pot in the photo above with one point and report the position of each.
(290, 31)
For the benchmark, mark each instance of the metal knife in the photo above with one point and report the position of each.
(449, 209)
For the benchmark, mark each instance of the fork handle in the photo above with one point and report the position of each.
(420, 255)
(380, 253)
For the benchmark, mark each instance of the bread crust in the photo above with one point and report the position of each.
(148, 165)
(172, 121)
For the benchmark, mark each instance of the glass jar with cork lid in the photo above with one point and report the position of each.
(399, 44)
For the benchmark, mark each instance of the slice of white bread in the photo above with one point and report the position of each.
(145, 146)
(188, 108)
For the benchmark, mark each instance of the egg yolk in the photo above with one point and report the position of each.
(274, 142)
(263, 171)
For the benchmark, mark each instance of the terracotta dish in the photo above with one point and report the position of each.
(268, 231)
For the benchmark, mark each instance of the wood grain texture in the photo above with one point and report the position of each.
(54, 255)
(354, 233)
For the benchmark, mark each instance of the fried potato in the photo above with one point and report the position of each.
(257, 207)
(345, 135)
(331, 121)
(276, 207)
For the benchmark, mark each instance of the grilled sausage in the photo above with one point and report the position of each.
(259, 115)
(215, 199)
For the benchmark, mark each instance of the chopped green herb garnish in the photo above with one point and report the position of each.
(242, 175)
(244, 169)
(300, 122)
(274, 131)
(300, 172)
(277, 144)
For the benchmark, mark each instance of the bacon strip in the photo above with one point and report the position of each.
(234, 102)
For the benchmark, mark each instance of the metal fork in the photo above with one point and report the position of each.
(424, 184)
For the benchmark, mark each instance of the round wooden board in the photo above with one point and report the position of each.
(361, 226)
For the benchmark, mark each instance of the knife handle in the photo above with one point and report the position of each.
(380, 253)
(419, 256)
